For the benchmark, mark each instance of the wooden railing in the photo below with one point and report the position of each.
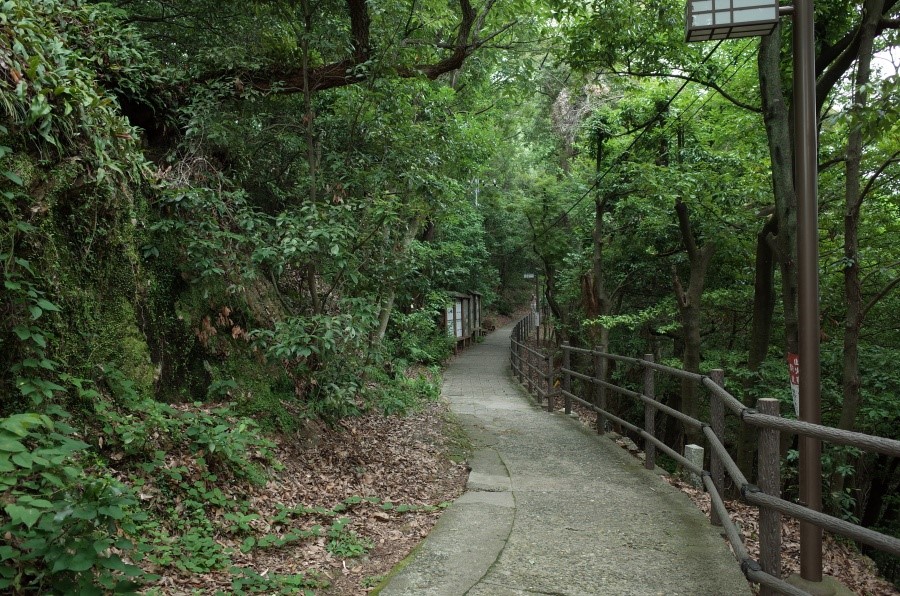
(536, 370)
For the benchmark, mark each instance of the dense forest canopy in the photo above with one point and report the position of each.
(223, 219)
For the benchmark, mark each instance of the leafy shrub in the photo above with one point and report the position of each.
(416, 337)
(64, 524)
(325, 355)
(404, 394)
(140, 426)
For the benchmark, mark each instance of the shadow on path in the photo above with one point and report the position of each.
(551, 508)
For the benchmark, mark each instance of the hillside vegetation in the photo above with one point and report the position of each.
(228, 224)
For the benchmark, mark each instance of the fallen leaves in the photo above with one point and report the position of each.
(388, 475)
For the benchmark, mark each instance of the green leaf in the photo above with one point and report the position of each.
(112, 511)
(22, 515)
(23, 460)
(11, 445)
(248, 544)
(47, 305)
(15, 178)
(18, 424)
(83, 560)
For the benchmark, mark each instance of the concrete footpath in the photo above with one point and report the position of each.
(551, 508)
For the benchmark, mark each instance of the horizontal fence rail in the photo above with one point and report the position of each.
(535, 368)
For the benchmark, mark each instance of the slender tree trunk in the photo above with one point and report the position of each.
(309, 121)
(387, 304)
(853, 199)
(689, 305)
(595, 299)
(760, 334)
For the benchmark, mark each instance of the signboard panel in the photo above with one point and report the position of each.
(793, 361)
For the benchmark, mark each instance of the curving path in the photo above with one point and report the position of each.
(551, 508)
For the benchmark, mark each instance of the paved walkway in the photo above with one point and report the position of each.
(551, 508)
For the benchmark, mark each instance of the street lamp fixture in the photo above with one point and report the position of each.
(726, 19)
(729, 19)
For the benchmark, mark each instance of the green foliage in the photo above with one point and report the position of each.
(344, 542)
(416, 337)
(402, 395)
(248, 581)
(142, 428)
(834, 457)
(68, 527)
(54, 88)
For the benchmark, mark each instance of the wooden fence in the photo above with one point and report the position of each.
(536, 370)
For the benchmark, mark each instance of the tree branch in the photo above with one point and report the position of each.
(347, 70)
(686, 77)
(881, 294)
(871, 181)
(684, 224)
(832, 62)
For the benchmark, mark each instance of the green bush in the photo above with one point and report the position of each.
(66, 526)
(416, 337)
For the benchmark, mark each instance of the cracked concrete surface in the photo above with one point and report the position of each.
(551, 508)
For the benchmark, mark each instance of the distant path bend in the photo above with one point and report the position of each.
(551, 508)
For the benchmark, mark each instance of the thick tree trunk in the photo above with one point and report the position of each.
(778, 125)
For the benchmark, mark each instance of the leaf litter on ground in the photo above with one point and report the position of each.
(351, 502)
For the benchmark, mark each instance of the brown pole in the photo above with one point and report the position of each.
(649, 414)
(805, 185)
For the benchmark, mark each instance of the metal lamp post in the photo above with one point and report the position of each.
(727, 19)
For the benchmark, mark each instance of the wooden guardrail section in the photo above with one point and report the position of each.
(536, 370)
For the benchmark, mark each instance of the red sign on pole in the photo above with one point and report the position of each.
(793, 361)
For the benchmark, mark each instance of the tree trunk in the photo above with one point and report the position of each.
(595, 298)
(689, 305)
(387, 306)
(760, 335)
(853, 199)
(778, 126)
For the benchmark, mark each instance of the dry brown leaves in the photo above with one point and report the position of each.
(401, 460)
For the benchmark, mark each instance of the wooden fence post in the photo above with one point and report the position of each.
(519, 354)
(567, 378)
(649, 414)
(516, 350)
(769, 481)
(549, 359)
(529, 369)
(600, 373)
(717, 422)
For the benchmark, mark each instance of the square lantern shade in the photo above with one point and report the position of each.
(728, 19)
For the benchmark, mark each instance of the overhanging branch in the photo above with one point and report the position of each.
(350, 70)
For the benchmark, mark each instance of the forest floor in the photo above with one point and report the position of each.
(389, 477)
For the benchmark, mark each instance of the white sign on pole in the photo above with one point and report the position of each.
(793, 361)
